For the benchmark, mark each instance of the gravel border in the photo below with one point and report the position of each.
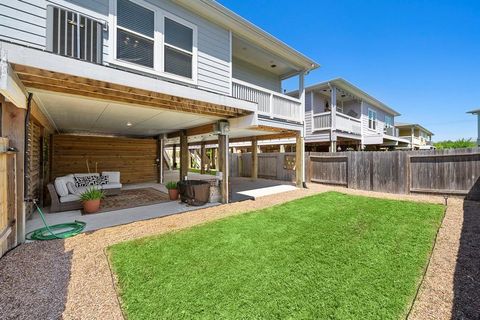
(71, 278)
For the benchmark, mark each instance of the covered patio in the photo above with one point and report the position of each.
(242, 189)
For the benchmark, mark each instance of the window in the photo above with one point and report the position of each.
(178, 54)
(388, 122)
(135, 33)
(74, 35)
(372, 119)
(153, 41)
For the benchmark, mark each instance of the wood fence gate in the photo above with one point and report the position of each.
(8, 189)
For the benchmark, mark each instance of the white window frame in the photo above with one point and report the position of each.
(375, 121)
(194, 46)
(389, 124)
(158, 45)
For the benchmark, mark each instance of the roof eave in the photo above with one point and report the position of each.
(239, 25)
(344, 84)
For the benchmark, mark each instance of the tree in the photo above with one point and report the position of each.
(457, 144)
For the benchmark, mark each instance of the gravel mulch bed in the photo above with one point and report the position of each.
(451, 287)
(71, 278)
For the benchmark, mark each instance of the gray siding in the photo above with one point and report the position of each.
(24, 22)
(380, 120)
(246, 72)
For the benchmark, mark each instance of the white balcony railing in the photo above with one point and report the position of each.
(348, 124)
(392, 131)
(270, 103)
(323, 121)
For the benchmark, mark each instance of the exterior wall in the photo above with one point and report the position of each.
(244, 71)
(25, 22)
(380, 120)
(134, 158)
(352, 108)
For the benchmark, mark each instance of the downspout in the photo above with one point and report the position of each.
(26, 144)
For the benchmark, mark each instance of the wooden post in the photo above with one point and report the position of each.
(299, 160)
(13, 128)
(223, 166)
(174, 157)
(160, 159)
(254, 158)
(203, 157)
(183, 155)
(214, 158)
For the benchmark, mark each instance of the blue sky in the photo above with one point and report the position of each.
(422, 58)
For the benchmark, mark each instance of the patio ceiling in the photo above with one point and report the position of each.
(75, 114)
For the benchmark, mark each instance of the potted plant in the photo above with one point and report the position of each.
(91, 199)
(172, 190)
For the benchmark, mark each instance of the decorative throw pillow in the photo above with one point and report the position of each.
(71, 188)
(86, 181)
(102, 180)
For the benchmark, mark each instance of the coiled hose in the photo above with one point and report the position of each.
(66, 230)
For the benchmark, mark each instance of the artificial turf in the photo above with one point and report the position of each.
(329, 256)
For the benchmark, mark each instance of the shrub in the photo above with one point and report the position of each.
(171, 185)
(457, 144)
(92, 194)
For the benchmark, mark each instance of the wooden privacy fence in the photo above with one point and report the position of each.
(276, 166)
(433, 171)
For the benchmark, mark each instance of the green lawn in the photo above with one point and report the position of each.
(330, 256)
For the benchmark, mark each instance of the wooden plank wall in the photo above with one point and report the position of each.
(400, 172)
(134, 158)
(13, 129)
(270, 166)
(34, 164)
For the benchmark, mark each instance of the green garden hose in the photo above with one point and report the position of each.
(47, 233)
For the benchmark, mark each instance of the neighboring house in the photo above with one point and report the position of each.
(419, 138)
(178, 71)
(340, 116)
(477, 112)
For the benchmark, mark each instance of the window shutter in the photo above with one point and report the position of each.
(135, 18)
(178, 35)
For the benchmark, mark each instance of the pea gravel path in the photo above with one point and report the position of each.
(71, 278)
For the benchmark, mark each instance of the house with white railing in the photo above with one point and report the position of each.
(419, 137)
(162, 72)
(339, 115)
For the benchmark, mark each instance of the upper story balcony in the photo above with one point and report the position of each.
(392, 131)
(184, 44)
(270, 103)
(343, 122)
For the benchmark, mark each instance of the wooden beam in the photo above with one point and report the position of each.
(42, 119)
(254, 158)
(204, 129)
(223, 166)
(184, 165)
(289, 134)
(60, 82)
